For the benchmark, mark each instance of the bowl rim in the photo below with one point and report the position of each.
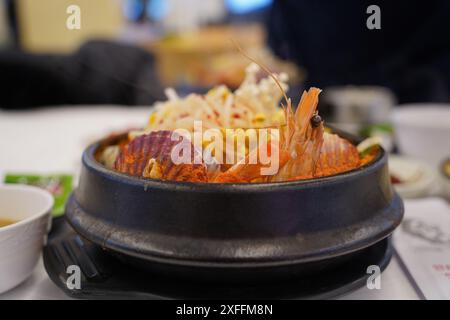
(39, 214)
(90, 162)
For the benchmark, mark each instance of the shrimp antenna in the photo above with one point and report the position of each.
(270, 73)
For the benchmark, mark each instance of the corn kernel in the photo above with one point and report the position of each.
(278, 117)
(152, 119)
(259, 117)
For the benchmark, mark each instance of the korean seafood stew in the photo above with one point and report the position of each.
(245, 136)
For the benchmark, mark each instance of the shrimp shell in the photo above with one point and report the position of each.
(337, 155)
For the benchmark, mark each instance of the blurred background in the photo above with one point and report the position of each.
(126, 51)
(392, 83)
(140, 46)
(63, 88)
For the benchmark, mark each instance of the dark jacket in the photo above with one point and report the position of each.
(409, 54)
(98, 73)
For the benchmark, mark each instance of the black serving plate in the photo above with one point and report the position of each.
(105, 277)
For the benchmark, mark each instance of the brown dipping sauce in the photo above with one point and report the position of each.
(6, 222)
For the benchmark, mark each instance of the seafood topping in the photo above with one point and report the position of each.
(278, 144)
(151, 156)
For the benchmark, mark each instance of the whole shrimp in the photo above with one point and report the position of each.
(313, 152)
(305, 150)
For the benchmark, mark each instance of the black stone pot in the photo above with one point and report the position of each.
(234, 231)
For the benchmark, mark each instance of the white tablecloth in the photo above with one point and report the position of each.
(52, 140)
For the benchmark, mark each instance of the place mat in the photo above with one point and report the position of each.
(423, 245)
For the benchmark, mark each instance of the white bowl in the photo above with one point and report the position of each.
(21, 242)
(417, 178)
(423, 131)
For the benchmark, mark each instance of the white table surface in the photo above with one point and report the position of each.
(52, 140)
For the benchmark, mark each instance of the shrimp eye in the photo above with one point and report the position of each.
(316, 120)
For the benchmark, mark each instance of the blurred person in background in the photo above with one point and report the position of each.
(410, 54)
(43, 63)
(100, 72)
(111, 71)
